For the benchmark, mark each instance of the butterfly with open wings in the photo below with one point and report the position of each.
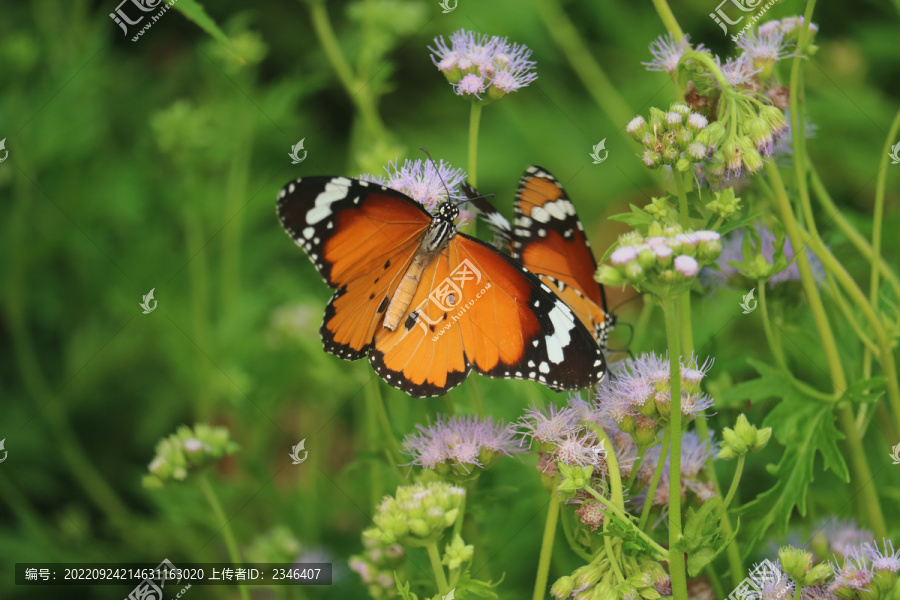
(425, 302)
(547, 237)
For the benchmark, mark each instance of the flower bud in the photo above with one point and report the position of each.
(697, 122)
(637, 127)
(562, 588)
(457, 552)
(696, 151)
(683, 165)
(651, 158)
(609, 276)
(657, 120)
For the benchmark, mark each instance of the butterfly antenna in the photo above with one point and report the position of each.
(438, 171)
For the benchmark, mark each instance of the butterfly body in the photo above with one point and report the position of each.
(425, 302)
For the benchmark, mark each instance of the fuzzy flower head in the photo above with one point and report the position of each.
(760, 262)
(641, 387)
(186, 450)
(550, 427)
(844, 538)
(667, 52)
(771, 581)
(460, 443)
(476, 64)
(764, 48)
(665, 258)
(422, 181)
(789, 26)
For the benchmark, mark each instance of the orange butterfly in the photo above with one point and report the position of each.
(548, 238)
(425, 302)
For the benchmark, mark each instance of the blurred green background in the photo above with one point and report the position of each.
(155, 164)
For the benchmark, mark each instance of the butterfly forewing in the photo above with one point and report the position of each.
(361, 237)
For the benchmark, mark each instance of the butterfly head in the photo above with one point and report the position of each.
(447, 211)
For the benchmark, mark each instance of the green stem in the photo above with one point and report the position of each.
(439, 577)
(216, 507)
(668, 19)
(845, 416)
(580, 59)
(474, 124)
(654, 482)
(677, 558)
(380, 412)
(570, 539)
(611, 555)
(612, 464)
(543, 571)
(775, 346)
(643, 322)
(360, 95)
(624, 517)
(878, 220)
(850, 232)
(734, 482)
(687, 332)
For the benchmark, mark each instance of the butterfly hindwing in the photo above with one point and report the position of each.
(476, 308)
(549, 239)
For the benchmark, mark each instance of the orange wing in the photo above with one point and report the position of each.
(361, 237)
(549, 240)
(475, 308)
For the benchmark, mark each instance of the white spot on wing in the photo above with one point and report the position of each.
(308, 232)
(561, 336)
(335, 190)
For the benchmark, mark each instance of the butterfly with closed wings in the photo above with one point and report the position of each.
(425, 302)
(547, 237)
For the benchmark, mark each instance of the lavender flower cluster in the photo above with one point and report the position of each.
(482, 67)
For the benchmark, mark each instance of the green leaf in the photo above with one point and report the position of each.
(195, 12)
(806, 428)
(861, 392)
(404, 589)
(636, 218)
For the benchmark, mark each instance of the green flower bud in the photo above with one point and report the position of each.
(634, 272)
(637, 128)
(651, 158)
(683, 165)
(743, 438)
(657, 120)
(609, 276)
(726, 204)
(457, 552)
(646, 258)
(562, 588)
(670, 155)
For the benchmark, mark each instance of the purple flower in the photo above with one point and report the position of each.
(765, 45)
(622, 255)
(886, 560)
(732, 251)
(853, 576)
(464, 441)
(772, 582)
(667, 52)
(642, 386)
(470, 85)
(687, 265)
(580, 450)
(845, 538)
(785, 25)
(738, 72)
(421, 181)
(475, 63)
(549, 428)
